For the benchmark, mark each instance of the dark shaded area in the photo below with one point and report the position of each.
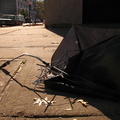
(103, 25)
(94, 70)
(96, 61)
(60, 31)
(101, 11)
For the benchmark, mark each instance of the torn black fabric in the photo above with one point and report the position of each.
(92, 62)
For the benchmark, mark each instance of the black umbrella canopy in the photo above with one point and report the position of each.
(92, 57)
(78, 39)
(100, 64)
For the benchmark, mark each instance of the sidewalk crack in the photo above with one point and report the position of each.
(14, 75)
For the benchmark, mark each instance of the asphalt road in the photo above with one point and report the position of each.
(17, 101)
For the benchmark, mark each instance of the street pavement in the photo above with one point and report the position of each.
(17, 93)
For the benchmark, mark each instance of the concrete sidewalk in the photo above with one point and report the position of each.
(17, 102)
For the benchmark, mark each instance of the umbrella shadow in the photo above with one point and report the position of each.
(59, 31)
(108, 107)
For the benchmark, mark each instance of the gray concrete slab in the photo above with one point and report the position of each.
(61, 118)
(17, 102)
(4, 79)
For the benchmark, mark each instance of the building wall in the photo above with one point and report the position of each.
(15, 6)
(101, 11)
(7, 6)
(2, 7)
(63, 12)
(25, 4)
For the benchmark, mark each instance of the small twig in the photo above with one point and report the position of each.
(74, 100)
(49, 103)
(38, 95)
(70, 103)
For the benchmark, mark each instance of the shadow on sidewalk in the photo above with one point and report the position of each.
(108, 108)
(60, 31)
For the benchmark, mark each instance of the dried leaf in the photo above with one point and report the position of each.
(68, 109)
(83, 102)
(45, 101)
